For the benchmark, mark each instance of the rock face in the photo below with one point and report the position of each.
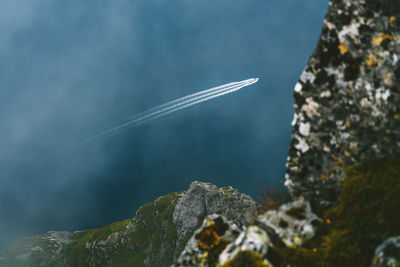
(388, 253)
(347, 100)
(202, 199)
(154, 237)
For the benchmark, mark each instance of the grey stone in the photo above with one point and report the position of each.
(388, 253)
(203, 199)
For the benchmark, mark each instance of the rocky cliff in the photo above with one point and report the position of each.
(154, 237)
(347, 100)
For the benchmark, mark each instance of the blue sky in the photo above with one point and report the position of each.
(71, 69)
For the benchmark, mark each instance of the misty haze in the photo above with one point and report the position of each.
(70, 70)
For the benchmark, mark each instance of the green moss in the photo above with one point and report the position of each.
(368, 213)
(213, 254)
(153, 238)
(248, 259)
(76, 252)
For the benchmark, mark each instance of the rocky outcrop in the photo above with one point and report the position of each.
(292, 235)
(293, 222)
(221, 241)
(154, 237)
(347, 100)
(388, 253)
(202, 199)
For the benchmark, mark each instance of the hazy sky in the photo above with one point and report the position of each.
(70, 69)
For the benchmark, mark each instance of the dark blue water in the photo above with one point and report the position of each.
(71, 69)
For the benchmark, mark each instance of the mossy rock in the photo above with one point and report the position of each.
(367, 214)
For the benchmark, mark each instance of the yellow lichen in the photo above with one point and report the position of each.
(378, 40)
(372, 59)
(388, 78)
(348, 122)
(207, 239)
(343, 48)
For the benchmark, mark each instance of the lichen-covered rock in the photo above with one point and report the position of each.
(205, 246)
(203, 199)
(154, 237)
(225, 242)
(252, 239)
(221, 242)
(388, 253)
(347, 100)
(293, 222)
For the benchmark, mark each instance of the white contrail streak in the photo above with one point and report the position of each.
(194, 96)
(175, 105)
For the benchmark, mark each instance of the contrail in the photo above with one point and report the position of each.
(175, 105)
(194, 96)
